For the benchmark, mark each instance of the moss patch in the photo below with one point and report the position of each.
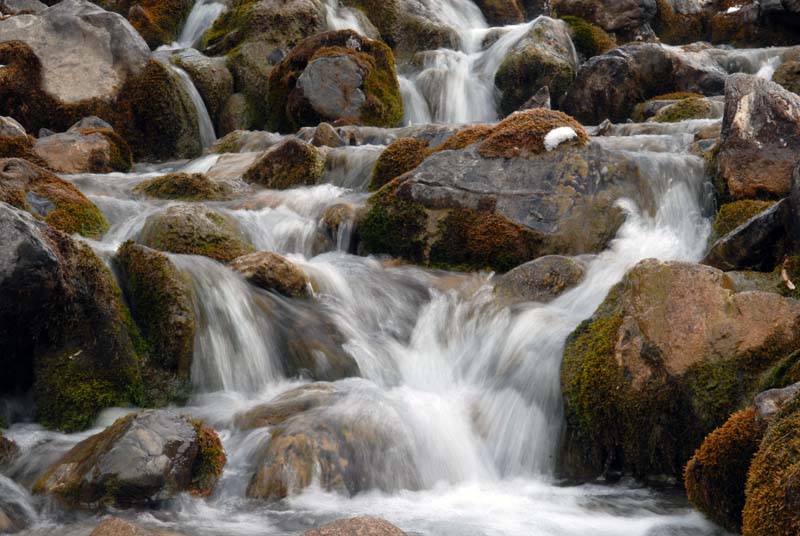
(184, 187)
(290, 164)
(716, 475)
(732, 215)
(394, 226)
(121, 155)
(589, 40)
(523, 133)
(691, 108)
(465, 137)
(401, 156)
(210, 460)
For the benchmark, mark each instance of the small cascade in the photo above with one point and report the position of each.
(200, 19)
(343, 18)
(207, 134)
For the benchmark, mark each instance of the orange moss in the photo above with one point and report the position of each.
(523, 133)
(401, 156)
(465, 137)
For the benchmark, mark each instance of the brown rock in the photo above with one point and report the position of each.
(72, 152)
(357, 526)
(273, 272)
(114, 526)
(541, 280)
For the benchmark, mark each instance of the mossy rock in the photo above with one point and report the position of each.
(291, 163)
(20, 147)
(210, 461)
(184, 187)
(732, 215)
(773, 483)
(502, 12)
(394, 225)
(465, 137)
(195, 230)
(399, 157)
(160, 302)
(49, 198)
(382, 104)
(676, 28)
(667, 357)
(159, 22)
(522, 134)
(272, 272)
(683, 110)
(121, 155)
(716, 475)
(589, 40)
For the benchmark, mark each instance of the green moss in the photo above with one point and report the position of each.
(230, 28)
(523, 133)
(393, 225)
(290, 164)
(691, 108)
(783, 374)
(522, 74)
(401, 156)
(773, 483)
(589, 40)
(210, 460)
(732, 215)
(472, 240)
(184, 187)
(716, 475)
(675, 28)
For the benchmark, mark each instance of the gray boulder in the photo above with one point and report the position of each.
(610, 15)
(769, 403)
(541, 280)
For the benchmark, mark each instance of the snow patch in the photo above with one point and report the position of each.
(557, 136)
(733, 9)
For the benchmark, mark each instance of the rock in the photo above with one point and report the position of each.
(185, 187)
(505, 200)
(331, 76)
(109, 49)
(357, 526)
(90, 123)
(63, 325)
(274, 273)
(732, 215)
(286, 165)
(235, 115)
(758, 244)
(8, 451)
(251, 64)
(326, 136)
(760, 138)
(544, 57)
(666, 358)
(401, 156)
(16, 510)
(769, 403)
(211, 77)
(161, 304)
(589, 40)
(610, 85)
(540, 99)
(788, 74)
(502, 12)
(289, 404)
(72, 152)
(773, 483)
(114, 526)
(141, 459)
(610, 15)
(194, 230)
(682, 110)
(159, 22)
(541, 280)
(21, 7)
(48, 198)
(338, 215)
(715, 476)
(10, 128)
(343, 451)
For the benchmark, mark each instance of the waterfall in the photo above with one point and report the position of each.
(200, 19)
(207, 134)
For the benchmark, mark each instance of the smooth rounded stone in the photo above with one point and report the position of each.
(115, 526)
(10, 128)
(49, 198)
(276, 411)
(544, 57)
(769, 403)
(671, 352)
(46, 274)
(109, 48)
(272, 272)
(246, 141)
(542, 280)
(235, 115)
(19, 7)
(357, 526)
(185, 187)
(332, 86)
(326, 136)
(141, 459)
(195, 230)
(229, 169)
(289, 164)
(73, 152)
(337, 215)
(758, 244)
(760, 137)
(90, 123)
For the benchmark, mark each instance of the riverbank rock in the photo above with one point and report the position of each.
(140, 460)
(64, 329)
(760, 138)
(609, 86)
(504, 199)
(344, 451)
(194, 230)
(185, 187)
(161, 304)
(274, 273)
(286, 165)
(666, 358)
(333, 76)
(543, 58)
(541, 280)
(49, 198)
(357, 526)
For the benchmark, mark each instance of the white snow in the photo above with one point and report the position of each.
(733, 9)
(557, 136)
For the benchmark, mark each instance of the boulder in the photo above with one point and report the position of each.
(686, 109)
(788, 74)
(589, 40)
(48, 198)
(72, 152)
(274, 273)
(356, 526)
(610, 85)
(235, 115)
(769, 403)
(666, 358)
(90, 123)
(139, 460)
(211, 77)
(544, 57)
(289, 164)
(732, 215)
(21, 7)
(64, 329)
(610, 15)
(541, 280)
(399, 157)
(333, 76)
(114, 526)
(185, 187)
(194, 230)
(760, 138)
(285, 406)
(159, 22)
(505, 200)
(10, 128)
(161, 304)
(502, 12)
(8, 450)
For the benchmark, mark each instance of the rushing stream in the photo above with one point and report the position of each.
(467, 386)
